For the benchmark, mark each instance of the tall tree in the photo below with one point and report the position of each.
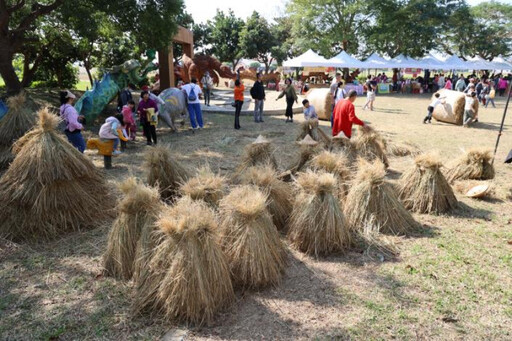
(258, 40)
(225, 37)
(202, 38)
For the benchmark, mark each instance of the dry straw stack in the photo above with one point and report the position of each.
(138, 211)
(475, 164)
(206, 186)
(375, 244)
(308, 149)
(259, 152)
(188, 277)
(337, 164)
(250, 239)
(370, 145)
(424, 189)
(50, 187)
(372, 200)
(403, 149)
(341, 143)
(309, 127)
(19, 119)
(317, 225)
(165, 172)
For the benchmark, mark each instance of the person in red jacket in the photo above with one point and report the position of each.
(345, 115)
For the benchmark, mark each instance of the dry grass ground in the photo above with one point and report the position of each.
(453, 280)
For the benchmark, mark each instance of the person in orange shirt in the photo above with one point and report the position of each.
(345, 115)
(239, 101)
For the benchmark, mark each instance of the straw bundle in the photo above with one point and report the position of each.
(50, 187)
(370, 145)
(309, 127)
(188, 277)
(18, 120)
(373, 200)
(260, 152)
(308, 149)
(341, 143)
(424, 189)
(250, 240)
(452, 109)
(317, 225)
(475, 164)
(375, 244)
(165, 172)
(137, 211)
(403, 149)
(336, 164)
(206, 186)
(279, 201)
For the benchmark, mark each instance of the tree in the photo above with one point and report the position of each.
(21, 21)
(258, 40)
(202, 38)
(225, 37)
(282, 35)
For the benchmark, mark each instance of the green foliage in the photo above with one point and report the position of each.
(255, 65)
(258, 41)
(63, 77)
(202, 37)
(225, 37)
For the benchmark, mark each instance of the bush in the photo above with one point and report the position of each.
(47, 76)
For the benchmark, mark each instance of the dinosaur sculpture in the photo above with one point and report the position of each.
(175, 104)
(104, 91)
(197, 66)
(251, 74)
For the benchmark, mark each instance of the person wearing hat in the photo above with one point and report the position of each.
(72, 120)
(345, 115)
(469, 113)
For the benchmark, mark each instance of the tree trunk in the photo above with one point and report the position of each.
(12, 82)
(88, 70)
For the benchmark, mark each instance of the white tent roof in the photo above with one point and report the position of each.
(343, 59)
(431, 62)
(402, 61)
(455, 63)
(308, 58)
(501, 64)
(377, 62)
(478, 63)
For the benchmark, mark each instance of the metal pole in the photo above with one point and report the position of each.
(501, 126)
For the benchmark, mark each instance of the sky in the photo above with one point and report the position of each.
(203, 10)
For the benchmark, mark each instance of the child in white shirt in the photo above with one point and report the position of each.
(309, 111)
(437, 100)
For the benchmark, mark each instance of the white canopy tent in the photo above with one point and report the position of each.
(478, 63)
(377, 62)
(343, 60)
(402, 61)
(308, 58)
(455, 63)
(432, 63)
(501, 64)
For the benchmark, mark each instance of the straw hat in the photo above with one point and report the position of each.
(308, 140)
(261, 140)
(478, 191)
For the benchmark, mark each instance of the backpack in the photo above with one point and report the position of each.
(253, 92)
(192, 95)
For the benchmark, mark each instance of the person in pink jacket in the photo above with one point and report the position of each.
(448, 84)
(72, 120)
(112, 129)
(129, 121)
(502, 86)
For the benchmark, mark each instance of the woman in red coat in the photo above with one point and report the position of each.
(345, 115)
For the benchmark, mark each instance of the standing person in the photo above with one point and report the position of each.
(448, 84)
(340, 93)
(469, 114)
(207, 87)
(144, 116)
(124, 96)
(332, 89)
(239, 101)
(258, 95)
(291, 96)
(345, 115)
(479, 87)
(471, 86)
(72, 120)
(112, 129)
(128, 119)
(370, 93)
(193, 91)
(485, 91)
(490, 97)
(502, 86)
(441, 81)
(309, 111)
(461, 84)
(437, 100)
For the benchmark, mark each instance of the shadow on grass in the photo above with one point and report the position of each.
(466, 211)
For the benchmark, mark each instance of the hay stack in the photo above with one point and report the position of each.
(50, 187)
(309, 127)
(403, 149)
(18, 120)
(338, 165)
(188, 277)
(279, 193)
(259, 152)
(165, 172)
(317, 225)
(341, 143)
(375, 245)
(370, 145)
(206, 186)
(475, 164)
(321, 99)
(250, 239)
(424, 189)
(138, 211)
(308, 149)
(452, 110)
(372, 200)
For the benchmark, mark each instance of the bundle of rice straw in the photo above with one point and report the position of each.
(403, 149)
(375, 244)
(370, 145)
(188, 276)
(341, 143)
(317, 225)
(165, 172)
(424, 189)
(50, 187)
(371, 199)
(279, 193)
(308, 149)
(338, 165)
(250, 239)
(16, 122)
(138, 210)
(206, 186)
(309, 127)
(259, 152)
(475, 164)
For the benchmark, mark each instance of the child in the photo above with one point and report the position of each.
(437, 100)
(128, 119)
(309, 111)
(490, 97)
(112, 129)
(469, 114)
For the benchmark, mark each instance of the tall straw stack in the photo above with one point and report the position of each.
(138, 211)
(317, 225)
(338, 165)
(475, 164)
(250, 239)
(206, 186)
(373, 200)
(403, 149)
(50, 187)
(309, 127)
(341, 143)
(279, 193)
(165, 172)
(308, 149)
(424, 188)
(375, 244)
(19, 119)
(371, 145)
(188, 277)
(258, 153)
